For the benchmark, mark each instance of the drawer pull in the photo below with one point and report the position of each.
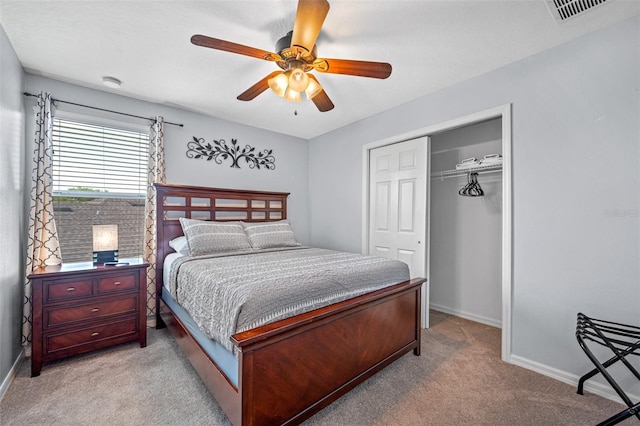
(95, 310)
(71, 289)
(94, 334)
(117, 283)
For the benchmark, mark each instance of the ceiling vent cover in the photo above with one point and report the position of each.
(565, 9)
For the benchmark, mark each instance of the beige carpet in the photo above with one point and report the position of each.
(458, 380)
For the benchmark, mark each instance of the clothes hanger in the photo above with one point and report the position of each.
(472, 188)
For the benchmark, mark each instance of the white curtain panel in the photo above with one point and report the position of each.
(43, 248)
(156, 173)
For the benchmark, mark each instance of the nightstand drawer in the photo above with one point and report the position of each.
(117, 283)
(63, 290)
(67, 315)
(89, 336)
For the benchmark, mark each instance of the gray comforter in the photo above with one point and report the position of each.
(233, 293)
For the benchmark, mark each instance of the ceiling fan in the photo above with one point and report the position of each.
(296, 56)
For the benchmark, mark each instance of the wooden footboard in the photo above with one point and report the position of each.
(291, 369)
(294, 368)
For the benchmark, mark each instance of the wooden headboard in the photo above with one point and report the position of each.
(196, 202)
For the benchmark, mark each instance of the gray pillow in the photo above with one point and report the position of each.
(180, 245)
(205, 237)
(270, 234)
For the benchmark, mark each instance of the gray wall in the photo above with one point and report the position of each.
(576, 184)
(12, 192)
(291, 154)
(466, 232)
(290, 175)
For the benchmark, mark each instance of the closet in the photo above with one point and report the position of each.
(465, 253)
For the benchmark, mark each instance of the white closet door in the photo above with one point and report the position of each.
(398, 203)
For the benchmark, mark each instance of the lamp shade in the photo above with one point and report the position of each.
(105, 237)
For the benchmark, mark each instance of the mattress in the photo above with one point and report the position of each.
(228, 294)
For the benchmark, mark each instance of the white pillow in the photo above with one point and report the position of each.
(207, 237)
(270, 234)
(180, 245)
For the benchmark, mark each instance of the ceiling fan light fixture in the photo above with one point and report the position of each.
(313, 88)
(279, 83)
(298, 80)
(292, 96)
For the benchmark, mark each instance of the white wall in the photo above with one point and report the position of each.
(12, 191)
(291, 154)
(466, 232)
(576, 159)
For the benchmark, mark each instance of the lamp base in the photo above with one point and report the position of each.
(102, 257)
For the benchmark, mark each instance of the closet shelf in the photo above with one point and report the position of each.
(479, 169)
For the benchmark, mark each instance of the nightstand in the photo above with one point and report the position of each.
(79, 307)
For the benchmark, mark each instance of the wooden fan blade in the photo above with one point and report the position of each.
(227, 46)
(257, 88)
(322, 101)
(350, 67)
(309, 19)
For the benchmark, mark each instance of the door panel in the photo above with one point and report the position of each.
(408, 160)
(383, 163)
(397, 203)
(381, 251)
(406, 205)
(382, 206)
(406, 256)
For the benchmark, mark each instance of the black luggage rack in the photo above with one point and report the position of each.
(623, 340)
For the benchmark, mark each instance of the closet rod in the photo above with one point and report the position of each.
(458, 173)
(105, 110)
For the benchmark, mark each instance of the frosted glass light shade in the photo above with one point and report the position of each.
(313, 88)
(292, 96)
(298, 80)
(279, 83)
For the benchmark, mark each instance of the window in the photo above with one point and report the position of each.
(99, 178)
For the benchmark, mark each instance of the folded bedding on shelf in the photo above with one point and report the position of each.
(491, 159)
(468, 163)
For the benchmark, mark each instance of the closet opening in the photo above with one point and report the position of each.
(465, 206)
(501, 114)
(498, 116)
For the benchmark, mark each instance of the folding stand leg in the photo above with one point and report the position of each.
(622, 340)
(622, 415)
(606, 364)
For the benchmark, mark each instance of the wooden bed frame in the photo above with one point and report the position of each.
(293, 368)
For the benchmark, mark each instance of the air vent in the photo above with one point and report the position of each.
(565, 9)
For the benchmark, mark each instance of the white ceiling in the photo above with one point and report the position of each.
(430, 44)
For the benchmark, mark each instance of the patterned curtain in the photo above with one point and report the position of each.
(42, 240)
(156, 173)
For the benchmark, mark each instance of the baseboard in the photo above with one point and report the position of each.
(593, 387)
(466, 315)
(11, 375)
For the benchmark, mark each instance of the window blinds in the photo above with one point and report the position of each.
(99, 178)
(100, 159)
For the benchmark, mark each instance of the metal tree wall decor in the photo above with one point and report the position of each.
(219, 151)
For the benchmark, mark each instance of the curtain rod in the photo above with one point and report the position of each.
(106, 110)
